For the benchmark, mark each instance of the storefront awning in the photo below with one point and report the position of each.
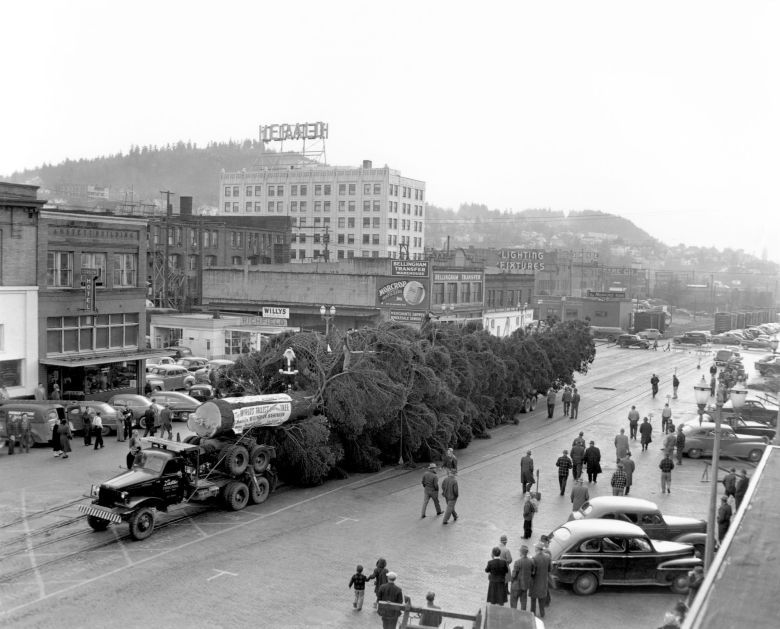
(82, 360)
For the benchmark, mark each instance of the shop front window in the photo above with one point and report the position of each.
(238, 342)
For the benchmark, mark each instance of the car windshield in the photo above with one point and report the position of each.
(150, 460)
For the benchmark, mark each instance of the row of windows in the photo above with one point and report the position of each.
(277, 190)
(91, 332)
(348, 254)
(123, 272)
(456, 293)
(407, 192)
(210, 238)
(506, 298)
(406, 208)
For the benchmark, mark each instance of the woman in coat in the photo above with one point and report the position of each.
(65, 436)
(497, 571)
(55, 439)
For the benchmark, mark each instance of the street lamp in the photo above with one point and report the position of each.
(737, 396)
(327, 314)
(702, 394)
(773, 343)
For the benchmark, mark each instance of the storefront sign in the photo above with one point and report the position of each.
(410, 268)
(611, 294)
(402, 293)
(450, 276)
(407, 316)
(276, 313)
(295, 131)
(88, 279)
(520, 261)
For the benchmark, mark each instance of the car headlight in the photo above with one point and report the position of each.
(124, 496)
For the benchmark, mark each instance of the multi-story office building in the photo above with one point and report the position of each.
(337, 213)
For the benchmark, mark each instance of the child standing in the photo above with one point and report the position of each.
(380, 574)
(359, 581)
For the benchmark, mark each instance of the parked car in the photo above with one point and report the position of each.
(202, 392)
(748, 427)
(202, 374)
(181, 404)
(191, 363)
(169, 378)
(756, 343)
(589, 553)
(108, 414)
(755, 409)
(650, 334)
(768, 365)
(42, 415)
(691, 338)
(727, 338)
(162, 360)
(648, 517)
(723, 356)
(699, 442)
(178, 351)
(631, 340)
(606, 332)
(136, 403)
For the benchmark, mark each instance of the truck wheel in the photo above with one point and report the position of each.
(533, 402)
(526, 406)
(142, 523)
(260, 493)
(97, 524)
(236, 495)
(236, 459)
(259, 459)
(192, 439)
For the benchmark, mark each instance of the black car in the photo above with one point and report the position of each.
(691, 338)
(202, 392)
(632, 340)
(754, 409)
(768, 366)
(589, 553)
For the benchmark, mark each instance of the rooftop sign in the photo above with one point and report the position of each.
(295, 131)
(520, 261)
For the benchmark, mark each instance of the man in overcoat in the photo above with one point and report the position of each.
(593, 462)
(430, 483)
(522, 579)
(527, 472)
(539, 588)
(449, 491)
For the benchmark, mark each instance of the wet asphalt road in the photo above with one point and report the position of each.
(287, 563)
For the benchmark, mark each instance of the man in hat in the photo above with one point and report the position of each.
(679, 443)
(390, 593)
(430, 617)
(628, 468)
(579, 440)
(449, 460)
(539, 588)
(506, 555)
(621, 444)
(522, 579)
(741, 489)
(529, 510)
(449, 490)
(577, 457)
(579, 494)
(575, 403)
(724, 517)
(563, 464)
(527, 472)
(666, 466)
(430, 483)
(618, 481)
(593, 462)
(646, 432)
(633, 422)
(730, 482)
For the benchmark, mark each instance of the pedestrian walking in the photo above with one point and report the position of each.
(506, 555)
(563, 464)
(120, 425)
(449, 460)
(575, 403)
(730, 483)
(135, 446)
(741, 487)
(55, 440)
(654, 384)
(166, 420)
(539, 588)
(621, 444)
(675, 385)
(577, 457)
(14, 433)
(550, 403)
(379, 576)
(430, 483)
(666, 466)
(579, 439)
(55, 393)
(522, 579)
(593, 462)
(646, 433)
(579, 495)
(670, 442)
(679, 444)
(628, 467)
(97, 429)
(618, 481)
(633, 422)
(390, 593)
(431, 616)
(529, 511)
(724, 517)
(127, 422)
(566, 399)
(497, 571)
(449, 491)
(149, 420)
(65, 436)
(666, 417)
(358, 581)
(527, 472)
(25, 431)
(87, 418)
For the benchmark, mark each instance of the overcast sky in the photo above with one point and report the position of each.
(667, 113)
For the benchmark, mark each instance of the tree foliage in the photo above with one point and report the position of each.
(389, 393)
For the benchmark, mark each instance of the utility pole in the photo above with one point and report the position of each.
(168, 209)
(326, 240)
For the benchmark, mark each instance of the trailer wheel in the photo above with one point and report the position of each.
(259, 458)
(260, 493)
(97, 524)
(533, 402)
(142, 523)
(236, 495)
(526, 408)
(236, 459)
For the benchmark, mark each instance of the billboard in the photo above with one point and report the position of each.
(520, 261)
(406, 293)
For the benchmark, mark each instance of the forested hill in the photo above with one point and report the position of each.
(183, 168)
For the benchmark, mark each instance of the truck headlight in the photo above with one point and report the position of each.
(94, 490)
(124, 496)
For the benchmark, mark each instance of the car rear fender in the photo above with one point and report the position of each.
(676, 565)
(694, 539)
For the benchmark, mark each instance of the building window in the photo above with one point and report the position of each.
(271, 190)
(351, 222)
(293, 254)
(227, 206)
(193, 238)
(366, 188)
(351, 206)
(377, 188)
(350, 239)
(279, 207)
(375, 205)
(11, 373)
(342, 189)
(375, 222)
(248, 206)
(317, 189)
(352, 189)
(366, 221)
(303, 206)
(211, 261)
(271, 206)
(302, 238)
(318, 206)
(317, 240)
(342, 206)
(302, 254)
(89, 332)
(326, 207)
(374, 239)
(366, 206)
(235, 260)
(192, 263)
(214, 239)
(59, 268)
(476, 292)
(258, 206)
(340, 239)
(465, 293)
(238, 342)
(304, 190)
(340, 254)
(365, 239)
(235, 191)
(95, 261)
(248, 191)
(125, 269)
(294, 190)
(326, 189)
(293, 206)
(258, 190)
(227, 191)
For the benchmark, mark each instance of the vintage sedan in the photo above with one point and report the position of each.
(181, 404)
(632, 340)
(136, 403)
(169, 378)
(202, 392)
(108, 414)
(755, 409)
(768, 365)
(648, 517)
(589, 553)
(756, 343)
(699, 440)
(192, 363)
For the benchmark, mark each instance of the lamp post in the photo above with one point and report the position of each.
(563, 308)
(702, 394)
(737, 395)
(327, 314)
(773, 343)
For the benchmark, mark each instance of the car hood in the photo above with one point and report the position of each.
(129, 478)
(671, 547)
(679, 521)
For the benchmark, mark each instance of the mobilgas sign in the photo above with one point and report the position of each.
(296, 131)
(520, 261)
